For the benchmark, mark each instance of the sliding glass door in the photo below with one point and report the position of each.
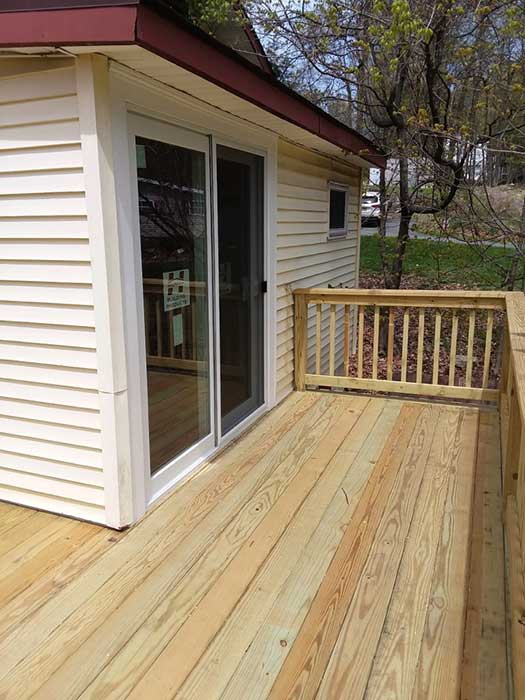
(240, 207)
(204, 356)
(172, 180)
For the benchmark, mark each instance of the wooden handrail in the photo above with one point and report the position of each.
(428, 293)
(159, 282)
(405, 297)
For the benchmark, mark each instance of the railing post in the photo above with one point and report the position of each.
(300, 336)
(513, 443)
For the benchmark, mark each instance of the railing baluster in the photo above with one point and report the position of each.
(488, 348)
(184, 344)
(158, 326)
(513, 463)
(470, 347)
(505, 361)
(318, 318)
(390, 347)
(192, 316)
(420, 339)
(404, 350)
(346, 344)
(375, 347)
(146, 324)
(453, 348)
(360, 340)
(437, 343)
(331, 369)
(171, 338)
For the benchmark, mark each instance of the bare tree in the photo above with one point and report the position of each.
(432, 82)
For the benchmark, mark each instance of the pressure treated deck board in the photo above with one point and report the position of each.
(12, 516)
(153, 570)
(144, 546)
(331, 552)
(36, 591)
(394, 666)
(242, 545)
(58, 546)
(351, 661)
(306, 664)
(268, 618)
(484, 664)
(28, 535)
(440, 656)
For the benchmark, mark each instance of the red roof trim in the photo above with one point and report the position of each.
(188, 51)
(187, 47)
(195, 52)
(33, 5)
(68, 27)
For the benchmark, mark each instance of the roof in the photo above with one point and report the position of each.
(244, 39)
(151, 25)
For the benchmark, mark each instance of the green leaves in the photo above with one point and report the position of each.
(212, 13)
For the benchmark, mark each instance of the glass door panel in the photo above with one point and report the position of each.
(172, 192)
(240, 206)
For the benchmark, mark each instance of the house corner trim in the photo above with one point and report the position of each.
(97, 156)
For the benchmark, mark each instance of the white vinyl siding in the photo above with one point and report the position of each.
(50, 439)
(65, 442)
(305, 255)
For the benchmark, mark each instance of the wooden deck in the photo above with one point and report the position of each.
(345, 548)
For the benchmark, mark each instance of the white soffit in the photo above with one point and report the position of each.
(148, 64)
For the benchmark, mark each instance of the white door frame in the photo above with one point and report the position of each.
(182, 464)
(215, 130)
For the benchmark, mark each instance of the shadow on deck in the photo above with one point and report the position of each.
(345, 547)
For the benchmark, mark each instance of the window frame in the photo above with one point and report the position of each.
(338, 233)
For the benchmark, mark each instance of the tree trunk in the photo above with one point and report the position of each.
(522, 244)
(403, 232)
(383, 249)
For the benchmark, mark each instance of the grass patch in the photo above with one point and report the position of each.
(442, 262)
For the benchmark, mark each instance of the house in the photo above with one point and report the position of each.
(179, 238)
(160, 197)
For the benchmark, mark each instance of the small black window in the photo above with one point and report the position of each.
(338, 207)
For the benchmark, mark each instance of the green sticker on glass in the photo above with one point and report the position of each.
(141, 156)
(178, 330)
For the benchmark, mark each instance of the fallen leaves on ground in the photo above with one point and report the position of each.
(427, 344)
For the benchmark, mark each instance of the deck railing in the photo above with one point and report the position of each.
(512, 412)
(383, 358)
(408, 342)
(161, 350)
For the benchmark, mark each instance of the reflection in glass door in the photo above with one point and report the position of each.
(240, 206)
(173, 232)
